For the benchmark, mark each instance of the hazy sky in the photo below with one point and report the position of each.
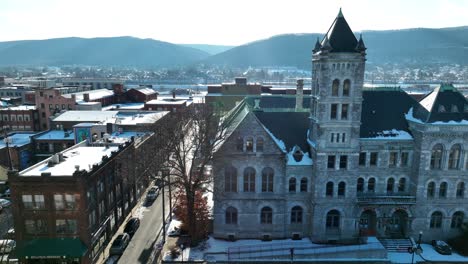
(229, 22)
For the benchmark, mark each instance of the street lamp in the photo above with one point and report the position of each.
(8, 141)
(416, 249)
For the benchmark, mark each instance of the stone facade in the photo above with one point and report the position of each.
(358, 185)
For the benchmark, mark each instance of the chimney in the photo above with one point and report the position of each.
(240, 80)
(299, 94)
(86, 97)
(73, 96)
(173, 94)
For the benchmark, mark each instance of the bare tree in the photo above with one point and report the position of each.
(191, 137)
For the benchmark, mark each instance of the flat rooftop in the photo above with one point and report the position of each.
(79, 155)
(17, 140)
(85, 116)
(56, 135)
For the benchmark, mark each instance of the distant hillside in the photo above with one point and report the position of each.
(116, 51)
(210, 49)
(447, 45)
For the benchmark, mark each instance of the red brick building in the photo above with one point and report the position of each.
(141, 94)
(66, 208)
(20, 118)
(50, 102)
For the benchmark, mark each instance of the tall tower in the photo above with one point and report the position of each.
(338, 63)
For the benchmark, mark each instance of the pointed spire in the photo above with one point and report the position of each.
(360, 46)
(340, 14)
(317, 46)
(326, 44)
(340, 36)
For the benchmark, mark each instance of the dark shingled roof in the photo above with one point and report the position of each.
(340, 36)
(290, 127)
(280, 101)
(384, 110)
(443, 104)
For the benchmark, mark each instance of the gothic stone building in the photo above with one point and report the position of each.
(345, 161)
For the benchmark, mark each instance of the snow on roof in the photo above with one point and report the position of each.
(139, 118)
(121, 137)
(17, 140)
(147, 91)
(167, 101)
(305, 161)
(55, 135)
(278, 142)
(20, 107)
(410, 117)
(391, 135)
(124, 106)
(93, 94)
(80, 155)
(85, 116)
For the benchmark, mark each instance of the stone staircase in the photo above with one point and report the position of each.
(396, 245)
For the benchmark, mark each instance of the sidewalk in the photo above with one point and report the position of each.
(105, 253)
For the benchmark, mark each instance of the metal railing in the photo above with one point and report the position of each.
(283, 250)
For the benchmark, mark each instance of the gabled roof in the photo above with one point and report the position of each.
(384, 110)
(290, 127)
(443, 104)
(340, 37)
(147, 91)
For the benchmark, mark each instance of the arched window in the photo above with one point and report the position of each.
(335, 87)
(371, 185)
(329, 189)
(457, 219)
(390, 184)
(402, 185)
(346, 87)
(249, 144)
(240, 144)
(461, 190)
(266, 216)
(267, 179)
(333, 219)
(454, 157)
(296, 215)
(443, 190)
(249, 179)
(436, 220)
(436, 156)
(431, 190)
(341, 189)
(231, 216)
(230, 179)
(259, 144)
(304, 184)
(360, 185)
(292, 184)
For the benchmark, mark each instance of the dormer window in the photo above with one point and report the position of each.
(441, 109)
(298, 155)
(454, 109)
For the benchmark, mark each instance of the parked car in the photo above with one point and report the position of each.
(119, 244)
(152, 194)
(5, 203)
(6, 194)
(442, 247)
(177, 232)
(132, 226)
(6, 246)
(10, 234)
(158, 182)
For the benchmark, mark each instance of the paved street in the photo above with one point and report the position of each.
(141, 245)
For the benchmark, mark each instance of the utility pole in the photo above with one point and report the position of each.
(8, 141)
(163, 211)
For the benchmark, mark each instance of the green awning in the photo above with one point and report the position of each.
(51, 247)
